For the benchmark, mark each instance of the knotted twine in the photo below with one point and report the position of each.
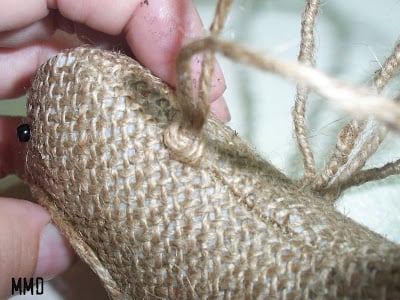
(150, 224)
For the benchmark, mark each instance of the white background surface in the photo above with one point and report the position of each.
(353, 38)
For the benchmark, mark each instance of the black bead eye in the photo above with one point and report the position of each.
(24, 133)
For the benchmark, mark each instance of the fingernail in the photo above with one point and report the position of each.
(55, 254)
(220, 109)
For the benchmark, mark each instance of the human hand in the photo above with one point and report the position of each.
(30, 32)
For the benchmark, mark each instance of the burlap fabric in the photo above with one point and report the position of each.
(230, 226)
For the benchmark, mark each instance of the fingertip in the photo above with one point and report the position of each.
(220, 109)
(157, 32)
(218, 85)
(55, 254)
(24, 230)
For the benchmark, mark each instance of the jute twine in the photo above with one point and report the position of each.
(164, 201)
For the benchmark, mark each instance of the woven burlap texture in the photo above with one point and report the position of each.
(231, 226)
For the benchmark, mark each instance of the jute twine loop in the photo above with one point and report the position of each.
(182, 144)
(194, 108)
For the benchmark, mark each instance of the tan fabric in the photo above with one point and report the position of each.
(228, 225)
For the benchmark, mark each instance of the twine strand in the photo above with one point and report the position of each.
(207, 68)
(195, 107)
(357, 101)
(345, 146)
(364, 176)
(361, 103)
(220, 16)
(357, 161)
(371, 144)
(389, 68)
(306, 54)
(182, 137)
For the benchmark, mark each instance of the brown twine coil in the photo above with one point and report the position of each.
(163, 203)
(183, 145)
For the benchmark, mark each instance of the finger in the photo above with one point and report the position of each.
(19, 65)
(156, 33)
(220, 109)
(34, 32)
(46, 29)
(11, 150)
(156, 30)
(29, 244)
(16, 14)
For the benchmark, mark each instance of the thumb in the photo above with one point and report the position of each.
(30, 245)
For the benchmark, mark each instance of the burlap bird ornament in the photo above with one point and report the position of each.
(216, 221)
(151, 226)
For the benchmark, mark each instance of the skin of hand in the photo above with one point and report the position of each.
(31, 31)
